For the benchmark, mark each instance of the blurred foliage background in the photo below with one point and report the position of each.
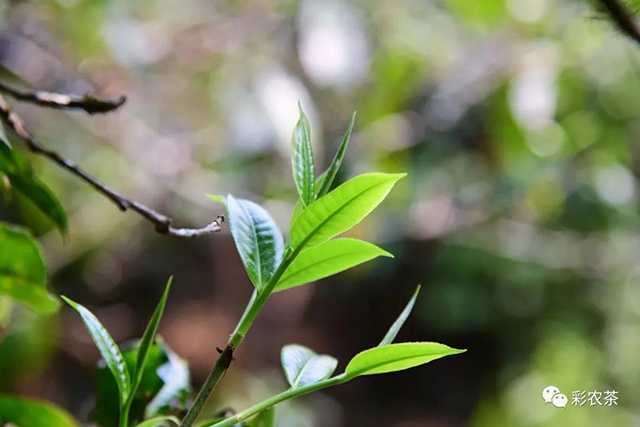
(517, 121)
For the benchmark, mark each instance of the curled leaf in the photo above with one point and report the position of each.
(302, 366)
(397, 325)
(304, 173)
(257, 238)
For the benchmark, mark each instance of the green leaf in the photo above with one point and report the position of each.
(302, 366)
(333, 168)
(304, 173)
(24, 412)
(107, 396)
(266, 418)
(148, 339)
(396, 357)
(327, 259)
(23, 275)
(107, 348)
(177, 384)
(257, 237)
(153, 422)
(341, 209)
(395, 328)
(299, 207)
(155, 395)
(24, 180)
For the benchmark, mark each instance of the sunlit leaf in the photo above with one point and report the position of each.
(397, 325)
(333, 168)
(163, 420)
(257, 237)
(299, 207)
(22, 412)
(23, 275)
(303, 366)
(23, 179)
(304, 173)
(107, 348)
(327, 259)
(341, 208)
(397, 357)
(155, 395)
(107, 396)
(177, 384)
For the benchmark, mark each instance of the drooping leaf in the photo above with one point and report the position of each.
(160, 360)
(176, 388)
(302, 366)
(23, 179)
(333, 168)
(164, 420)
(148, 339)
(327, 259)
(266, 418)
(397, 357)
(22, 412)
(304, 173)
(23, 275)
(107, 348)
(397, 325)
(257, 237)
(341, 208)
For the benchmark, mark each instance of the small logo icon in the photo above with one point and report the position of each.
(551, 394)
(559, 400)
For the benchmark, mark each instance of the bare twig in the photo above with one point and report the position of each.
(623, 18)
(88, 103)
(161, 222)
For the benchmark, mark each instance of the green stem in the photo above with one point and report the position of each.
(286, 395)
(124, 414)
(258, 299)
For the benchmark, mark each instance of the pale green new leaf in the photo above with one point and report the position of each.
(23, 275)
(333, 168)
(148, 338)
(304, 173)
(327, 259)
(397, 325)
(302, 366)
(153, 422)
(341, 208)
(22, 412)
(107, 348)
(397, 357)
(257, 237)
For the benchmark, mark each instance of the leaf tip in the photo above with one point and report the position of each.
(215, 198)
(387, 254)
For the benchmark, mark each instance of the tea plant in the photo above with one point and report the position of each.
(311, 253)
